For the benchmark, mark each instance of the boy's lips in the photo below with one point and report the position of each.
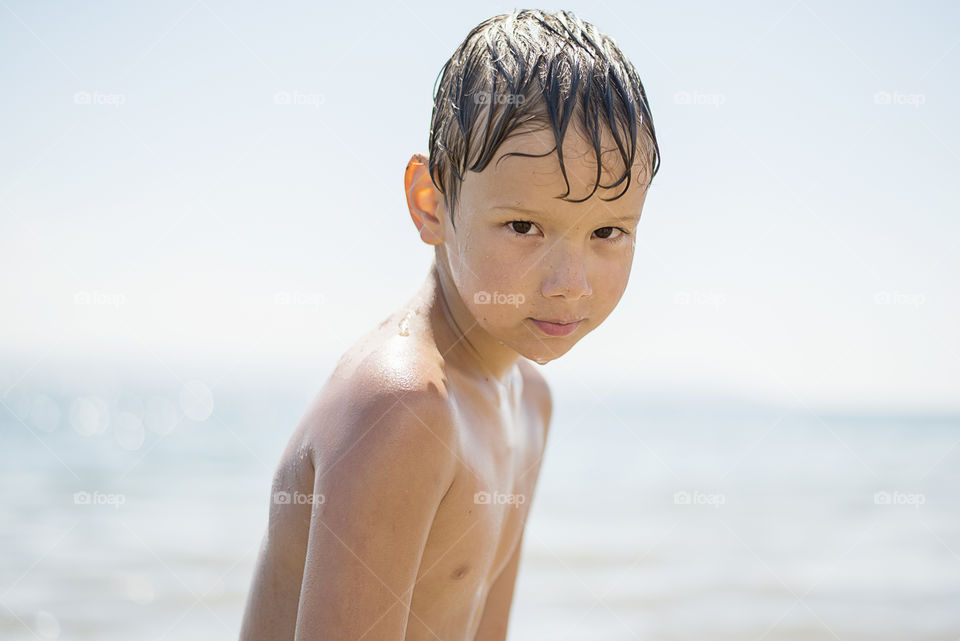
(556, 327)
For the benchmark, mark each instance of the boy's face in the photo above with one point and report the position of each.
(549, 259)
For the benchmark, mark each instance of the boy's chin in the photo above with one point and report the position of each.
(546, 351)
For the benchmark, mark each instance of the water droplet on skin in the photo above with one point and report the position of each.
(405, 324)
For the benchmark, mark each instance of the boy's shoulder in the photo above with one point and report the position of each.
(391, 390)
(397, 391)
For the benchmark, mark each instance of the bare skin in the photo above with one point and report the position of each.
(412, 473)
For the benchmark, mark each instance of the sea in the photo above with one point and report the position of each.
(134, 508)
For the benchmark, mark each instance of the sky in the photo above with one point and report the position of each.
(220, 182)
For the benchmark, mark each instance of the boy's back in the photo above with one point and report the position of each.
(406, 486)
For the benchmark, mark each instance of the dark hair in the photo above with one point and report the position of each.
(550, 66)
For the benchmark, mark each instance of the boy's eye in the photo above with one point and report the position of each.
(605, 232)
(520, 226)
(523, 227)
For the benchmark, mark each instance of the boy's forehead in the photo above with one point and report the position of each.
(537, 180)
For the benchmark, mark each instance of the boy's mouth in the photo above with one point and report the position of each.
(556, 327)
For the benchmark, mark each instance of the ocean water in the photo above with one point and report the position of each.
(135, 512)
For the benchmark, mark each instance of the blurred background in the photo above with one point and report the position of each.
(201, 209)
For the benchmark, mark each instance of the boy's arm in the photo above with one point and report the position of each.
(380, 491)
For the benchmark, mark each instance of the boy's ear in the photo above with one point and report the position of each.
(423, 200)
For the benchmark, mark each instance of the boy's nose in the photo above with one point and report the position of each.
(565, 275)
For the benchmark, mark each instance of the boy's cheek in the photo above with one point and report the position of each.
(501, 271)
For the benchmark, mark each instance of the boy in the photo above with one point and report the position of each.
(400, 501)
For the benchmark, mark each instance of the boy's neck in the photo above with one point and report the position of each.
(462, 343)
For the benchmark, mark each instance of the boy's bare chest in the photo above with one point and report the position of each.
(482, 516)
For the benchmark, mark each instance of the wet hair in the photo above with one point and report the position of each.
(528, 71)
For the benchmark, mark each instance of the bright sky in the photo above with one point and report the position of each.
(222, 180)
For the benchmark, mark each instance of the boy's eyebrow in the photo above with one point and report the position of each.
(540, 213)
(515, 208)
